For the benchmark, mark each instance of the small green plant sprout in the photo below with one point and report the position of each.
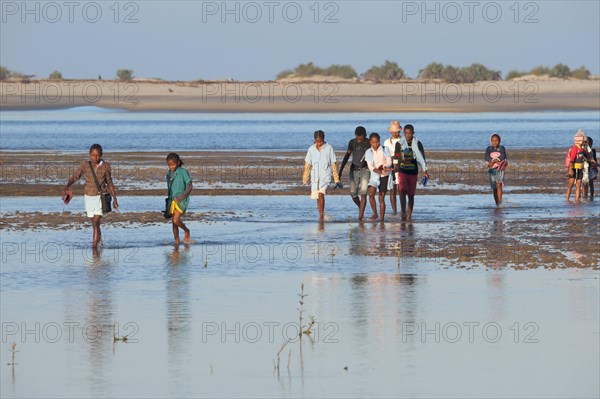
(279, 353)
(302, 295)
(13, 350)
(307, 330)
(333, 254)
(116, 337)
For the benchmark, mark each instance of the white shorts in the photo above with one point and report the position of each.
(315, 194)
(93, 205)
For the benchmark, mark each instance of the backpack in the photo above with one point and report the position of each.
(568, 158)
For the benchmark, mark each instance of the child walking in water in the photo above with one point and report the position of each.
(410, 153)
(495, 157)
(93, 203)
(179, 185)
(321, 168)
(379, 161)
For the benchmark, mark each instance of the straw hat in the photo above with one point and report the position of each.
(580, 137)
(394, 127)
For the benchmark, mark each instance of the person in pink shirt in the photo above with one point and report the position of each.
(495, 157)
(379, 161)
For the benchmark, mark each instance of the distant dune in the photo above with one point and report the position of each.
(321, 94)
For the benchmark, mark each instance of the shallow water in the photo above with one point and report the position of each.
(75, 129)
(339, 208)
(208, 320)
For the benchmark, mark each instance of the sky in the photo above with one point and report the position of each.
(255, 40)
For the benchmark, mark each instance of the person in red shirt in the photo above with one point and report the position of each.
(576, 156)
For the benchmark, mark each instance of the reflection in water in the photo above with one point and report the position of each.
(381, 301)
(99, 323)
(179, 317)
(497, 260)
(321, 225)
(381, 305)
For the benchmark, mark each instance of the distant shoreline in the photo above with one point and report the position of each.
(303, 97)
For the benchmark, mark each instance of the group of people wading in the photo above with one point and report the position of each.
(375, 168)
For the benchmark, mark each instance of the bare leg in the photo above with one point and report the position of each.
(403, 204)
(585, 189)
(356, 201)
(411, 204)
(178, 224)
(495, 192)
(499, 189)
(393, 199)
(361, 208)
(591, 189)
(577, 190)
(372, 191)
(321, 206)
(569, 188)
(97, 235)
(382, 205)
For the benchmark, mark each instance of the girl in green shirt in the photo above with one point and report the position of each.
(179, 185)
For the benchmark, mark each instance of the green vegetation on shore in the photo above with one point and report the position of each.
(310, 69)
(451, 74)
(390, 71)
(558, 71)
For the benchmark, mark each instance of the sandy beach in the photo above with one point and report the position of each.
(303, 96)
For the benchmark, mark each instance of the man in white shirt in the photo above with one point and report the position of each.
(395, 129)
(379, 162)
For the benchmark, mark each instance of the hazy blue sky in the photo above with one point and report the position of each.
(187, 39)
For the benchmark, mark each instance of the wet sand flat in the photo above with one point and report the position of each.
(43, 173)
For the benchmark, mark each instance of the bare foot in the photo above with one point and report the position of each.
(186, 237)
(177, 241)
(374, 217)
(402, 216)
